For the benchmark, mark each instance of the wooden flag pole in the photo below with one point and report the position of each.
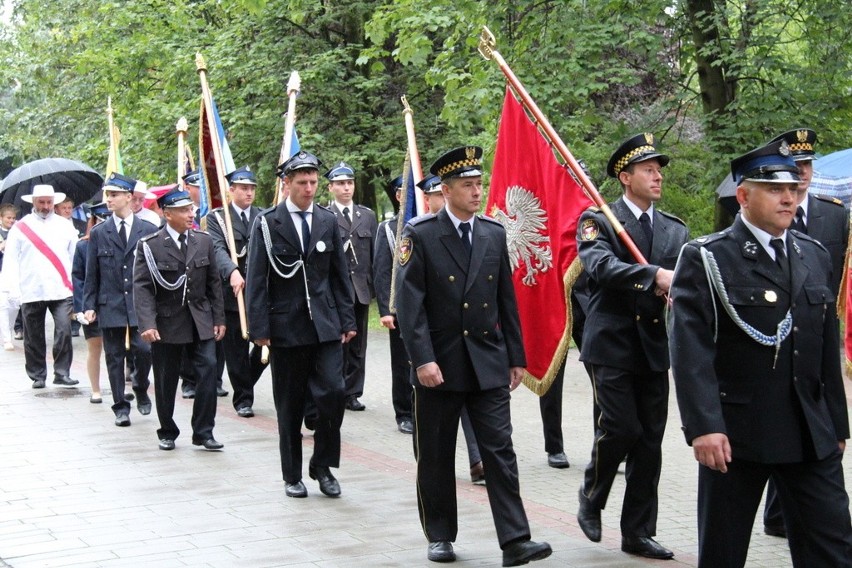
(181, 128)
(223, 182)
(487, 48)
(294, 86)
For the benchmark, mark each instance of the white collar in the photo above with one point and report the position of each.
(763, 237)
(637, 211)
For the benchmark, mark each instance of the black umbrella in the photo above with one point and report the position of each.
(75, 179)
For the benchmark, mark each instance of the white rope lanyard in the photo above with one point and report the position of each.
(158, 278)
(274, 263)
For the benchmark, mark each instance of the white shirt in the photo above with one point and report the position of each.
(147, 215)
(28, 274)
(456, 222)
(763, 237)
(128, 224)
(175, 235)
(637, 211)
(295, 214)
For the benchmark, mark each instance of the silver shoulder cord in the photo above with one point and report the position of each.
(391, 237)
(158, 278)
(347, 247)
(714, 277)
(274, 262)
(221, 221)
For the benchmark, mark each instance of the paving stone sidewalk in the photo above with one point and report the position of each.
(77, 491)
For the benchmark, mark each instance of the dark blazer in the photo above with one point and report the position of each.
(458, 315)
(223, 256)
(277, 307)
(168, 311)
(625, 326)
(788, 409)
(361, 234)
(109, 273)
(78, 272)
(828, 223)
(383, 264)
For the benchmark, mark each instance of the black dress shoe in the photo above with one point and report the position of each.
(122, 419)
(406, 426)
(221, 392)
(645, 546)
(441, 551)
(558, 460)
(143, 404)
(477, 474)
(355, 404)
(775, 530)
(129, 396)
(525, 551)
(65, 381)
(208, 444)
(166, 444)
(327, 483)
(245, 412)
(297, 489)
(38, 384)
(310, 423)
(188, 393)
(589, 518)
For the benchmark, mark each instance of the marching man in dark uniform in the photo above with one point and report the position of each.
(108, 294)
(358, 229)
(826, 220)
(754, 346)
(459, 321)
(625, 344)
(382, 272)
(300, 305)
(241, 357)
(179, 305)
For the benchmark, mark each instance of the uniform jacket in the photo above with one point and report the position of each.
(458, 315)
(383, 264)
(108, 288)
(223, 256)
(725, 380)
(361, 235)
(625, 326)
(277, 307)
(828, 223)
(168, 311)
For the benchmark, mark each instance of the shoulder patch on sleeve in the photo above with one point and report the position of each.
(589, 229)
(406, 247)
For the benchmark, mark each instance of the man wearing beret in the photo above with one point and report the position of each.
(754, 347)
(108, 294)
(357, 226)
(180, 309)
(459, 322)
(625, 344)
(826, 220)
(242, 359)
(300, 305)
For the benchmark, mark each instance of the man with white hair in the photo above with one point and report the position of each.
(38, 258)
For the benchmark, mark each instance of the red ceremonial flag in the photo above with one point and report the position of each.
(539, 203)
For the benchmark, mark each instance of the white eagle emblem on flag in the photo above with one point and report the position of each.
(525, 223)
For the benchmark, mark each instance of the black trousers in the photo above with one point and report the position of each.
(202, 357)
(436, 416)
(813, 499)
(355, 353)
(117, 356)
(633, 412)
(550, 406)
(243, 361)
(35, 348)
(401, 392)
(187, 371)
(296, 371)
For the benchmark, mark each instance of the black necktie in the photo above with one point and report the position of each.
(243, 219)
(465, 237)
(346, 215)
(121, 234)
(306, 231)
(799, 222)
(781, 256)
(182, 243)
(645, 223)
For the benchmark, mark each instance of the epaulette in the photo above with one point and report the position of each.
(827, 199)
(364, 207)
(217, 210)
(805, 237)
(593, 208)
(489, 219)
(672, 217)
(323, 207)
(421, 218)
(149, 236)
(269, 209)
(711, 238)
